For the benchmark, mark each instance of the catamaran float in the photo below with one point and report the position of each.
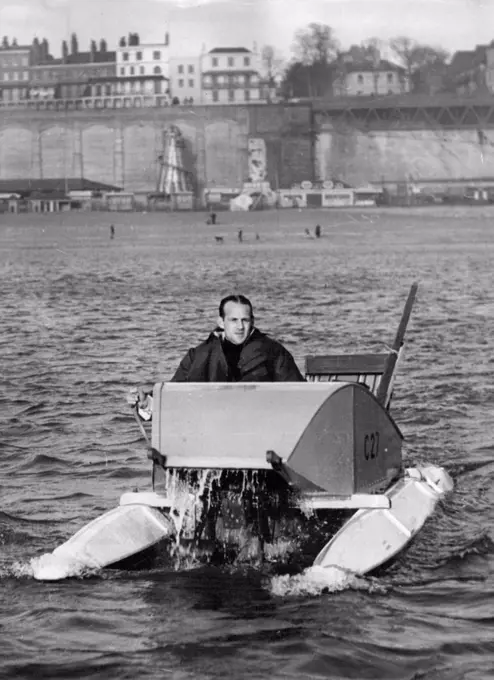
(247, 469)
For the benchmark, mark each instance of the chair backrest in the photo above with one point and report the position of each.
(366, 369)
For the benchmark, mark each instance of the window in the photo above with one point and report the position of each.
(139, 56)
(156, 54)
(390, 91)
(191, 68)
(231, 95)
(180, 68)
(141, 70)
(215, 61)
(25, 75)
(247, 79)
(181, 82)
(390, 77)
(191, 82)
(125, 56)
(25, 61)
(157, 70)
(231, 61)
(247, 95)
(122, 71)
(132, 70)
(215, 95)
(360, 79)
(246, 61)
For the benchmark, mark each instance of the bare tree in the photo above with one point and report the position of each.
(315, 44)
(272, 65)
(272, 62)
(315, 48)
(414, 55)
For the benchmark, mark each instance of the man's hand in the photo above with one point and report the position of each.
(136, 396)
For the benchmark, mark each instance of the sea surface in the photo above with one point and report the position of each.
(84, 317)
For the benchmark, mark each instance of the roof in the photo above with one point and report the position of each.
(369, 66)
(80, 58)
(56, 185)
(51, 196)
(227, 50)
(466, 60)
(15, 48)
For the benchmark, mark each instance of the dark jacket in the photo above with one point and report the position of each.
(262, 359)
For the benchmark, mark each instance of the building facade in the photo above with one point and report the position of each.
(472, 71)
(143, 68)
(369, 78)
(185, 79)
(14, 73)
(231, 75)
(71, 78)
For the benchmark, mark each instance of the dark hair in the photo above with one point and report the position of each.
(239, 299)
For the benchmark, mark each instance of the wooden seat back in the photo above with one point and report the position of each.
(366, 369)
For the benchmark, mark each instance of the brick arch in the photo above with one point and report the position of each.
(55, 144)
(98, 152)
(16, 152)
(225, 144)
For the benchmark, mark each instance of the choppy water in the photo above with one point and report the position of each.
(84, 317)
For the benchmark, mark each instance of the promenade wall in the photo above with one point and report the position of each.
(122, 147)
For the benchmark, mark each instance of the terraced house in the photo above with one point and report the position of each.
(14, 72)
(231, 75)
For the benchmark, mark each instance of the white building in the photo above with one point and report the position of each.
(185, 79)
(231, 75)
(370, 78)
(143, 69)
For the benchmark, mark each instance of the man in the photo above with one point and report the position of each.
(235, 351)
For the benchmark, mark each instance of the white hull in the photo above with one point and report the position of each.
(370, 538)
(125, 531)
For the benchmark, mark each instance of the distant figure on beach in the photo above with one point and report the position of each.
(240, 236)
(258, 237)
(112, 232)
(317, 231)
(211, 218)
(308, 234)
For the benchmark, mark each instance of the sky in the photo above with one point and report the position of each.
(452, 24)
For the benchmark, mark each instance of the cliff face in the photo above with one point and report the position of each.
(396, 155)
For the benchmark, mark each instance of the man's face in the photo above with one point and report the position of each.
(237, 323)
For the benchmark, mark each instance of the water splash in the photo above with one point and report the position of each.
(314, 581)
(50, 567)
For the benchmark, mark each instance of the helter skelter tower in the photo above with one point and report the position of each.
(175, 181)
